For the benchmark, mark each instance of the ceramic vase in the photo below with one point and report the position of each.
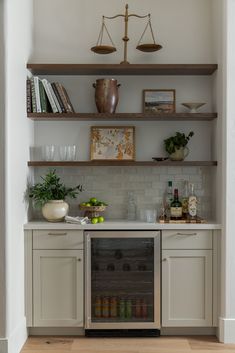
(180, 154)
(106, 95)
(55, 210)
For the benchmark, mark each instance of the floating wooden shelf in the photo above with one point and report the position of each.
(122, 117)
(120, 69)
(121, 163)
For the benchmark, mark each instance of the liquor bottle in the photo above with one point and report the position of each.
(168, 199)
(131, 207)
(176, 206)
(192, 203)
(184, 200)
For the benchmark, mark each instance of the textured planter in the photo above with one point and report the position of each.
(180, 154)
(55, 210)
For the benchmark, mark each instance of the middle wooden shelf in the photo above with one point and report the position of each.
(122, 117)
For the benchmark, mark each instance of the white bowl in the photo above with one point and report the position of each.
(193, 106)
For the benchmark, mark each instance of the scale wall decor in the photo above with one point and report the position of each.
(100, 48)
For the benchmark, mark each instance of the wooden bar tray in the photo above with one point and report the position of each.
(182, 221)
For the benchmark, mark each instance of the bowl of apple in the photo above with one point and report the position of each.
(92, 209)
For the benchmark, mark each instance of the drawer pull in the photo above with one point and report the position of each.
(164, 260)
(189, 234)
(79, 260)
(57, 234)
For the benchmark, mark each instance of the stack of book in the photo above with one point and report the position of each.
(46, 97)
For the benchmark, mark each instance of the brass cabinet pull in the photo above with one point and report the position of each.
(189, 234)
(57, 234)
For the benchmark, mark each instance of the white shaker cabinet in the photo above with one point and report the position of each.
(187, 279)
(54, 278)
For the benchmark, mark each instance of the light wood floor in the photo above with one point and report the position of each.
(187, 344)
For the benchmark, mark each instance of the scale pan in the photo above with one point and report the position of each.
(149, 47)
(103, 49)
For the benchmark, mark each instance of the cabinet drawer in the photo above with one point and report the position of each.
(187, 239)
(58, 239)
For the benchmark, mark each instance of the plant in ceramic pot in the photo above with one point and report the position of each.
(50, 195)
(176, 146)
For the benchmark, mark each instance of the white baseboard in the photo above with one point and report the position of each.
(188, 331)
(17, 338)
(56, 331)
(3, 345)
(226, 330)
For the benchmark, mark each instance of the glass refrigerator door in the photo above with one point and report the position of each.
(122, 280)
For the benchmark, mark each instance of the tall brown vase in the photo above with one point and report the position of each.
(106, 95)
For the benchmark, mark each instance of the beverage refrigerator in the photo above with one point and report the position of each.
(122, 283)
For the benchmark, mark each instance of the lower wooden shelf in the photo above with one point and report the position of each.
(103, 163)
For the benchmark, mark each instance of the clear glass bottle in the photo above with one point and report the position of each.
(192, 202)
(184, 200)
(176, 207)
(168, 199)
(131, 207)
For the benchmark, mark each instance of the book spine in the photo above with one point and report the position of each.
(71, 110)
(37, 94)
(54, 97)
(28, 96)
(49, 96)
(62, 95)
(62, 107)
(34, 105)
(43, 98)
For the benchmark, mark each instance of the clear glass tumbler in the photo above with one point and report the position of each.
(63, 152)
(49, 152)
(71, 153)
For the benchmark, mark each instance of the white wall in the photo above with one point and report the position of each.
(227, 320)
(183, 27)
(18, 138)
(2, 178)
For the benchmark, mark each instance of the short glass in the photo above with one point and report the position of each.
(48, 152)
(63, 152)
(71, 153)
(151, 215)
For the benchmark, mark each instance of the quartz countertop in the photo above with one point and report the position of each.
(120, 225)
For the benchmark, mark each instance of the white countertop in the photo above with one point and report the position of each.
(119, 225)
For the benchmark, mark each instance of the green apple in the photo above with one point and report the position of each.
(94, 220)
(100, 219)
(93, 200)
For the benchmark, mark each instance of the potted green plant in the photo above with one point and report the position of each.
(176, 145)
(50, 195)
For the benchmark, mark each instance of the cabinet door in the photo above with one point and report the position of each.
(58, 287)
(186, 288)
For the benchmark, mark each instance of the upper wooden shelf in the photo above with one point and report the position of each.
(122, 117)
(120, 69)
(103, 163)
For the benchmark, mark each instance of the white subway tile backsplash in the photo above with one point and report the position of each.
(111, 184)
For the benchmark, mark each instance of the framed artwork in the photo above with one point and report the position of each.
(159, 101)
(113, 143)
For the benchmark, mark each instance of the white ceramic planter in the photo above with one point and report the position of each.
(55, 210)
(180, 154)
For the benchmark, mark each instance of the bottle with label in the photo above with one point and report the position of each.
(184, 200)
(131, 207)
(192, 203)
(176, 207)
(168, 199)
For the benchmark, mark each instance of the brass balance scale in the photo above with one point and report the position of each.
(100, 48)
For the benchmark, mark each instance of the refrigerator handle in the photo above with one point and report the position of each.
(88, 280)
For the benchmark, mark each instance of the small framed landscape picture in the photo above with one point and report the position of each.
(159, 101)
(113, 143)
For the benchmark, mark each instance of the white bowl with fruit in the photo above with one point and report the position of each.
(92, 210)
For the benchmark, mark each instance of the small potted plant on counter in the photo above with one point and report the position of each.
(176, 146)
(50, 195)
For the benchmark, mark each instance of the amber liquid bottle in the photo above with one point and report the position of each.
(176, 207)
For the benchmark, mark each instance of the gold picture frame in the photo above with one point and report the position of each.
(112, 143)
(159, 101)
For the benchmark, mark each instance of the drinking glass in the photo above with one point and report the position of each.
(71, 153)
(63, 152)
(49, 152)
(151, 215)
